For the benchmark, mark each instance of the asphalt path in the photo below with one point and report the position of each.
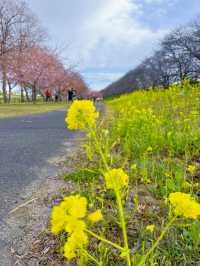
(28, 147)
(26, 144)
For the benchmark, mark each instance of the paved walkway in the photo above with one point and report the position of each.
(26, 146)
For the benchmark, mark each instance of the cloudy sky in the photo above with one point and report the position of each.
(106, 38)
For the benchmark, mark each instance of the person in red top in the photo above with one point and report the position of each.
(47, 95)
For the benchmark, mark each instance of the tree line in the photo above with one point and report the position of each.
(25, 60)
(177, 59)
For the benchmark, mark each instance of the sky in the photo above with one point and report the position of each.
(103, 39)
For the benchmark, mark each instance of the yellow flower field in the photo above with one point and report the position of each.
(143, 155)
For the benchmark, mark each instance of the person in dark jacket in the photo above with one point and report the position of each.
(74, 94)
(56, 96)
(70, 95)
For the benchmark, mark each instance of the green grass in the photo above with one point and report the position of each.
(81, 175)
(12, 110)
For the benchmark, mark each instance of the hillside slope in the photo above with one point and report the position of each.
(124, 84)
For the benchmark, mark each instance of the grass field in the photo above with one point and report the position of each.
(154, 136)
(12, 110)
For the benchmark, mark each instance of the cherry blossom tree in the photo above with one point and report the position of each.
(19, 29)
(40, 69)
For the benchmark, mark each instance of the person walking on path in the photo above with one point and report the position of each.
(70, 95)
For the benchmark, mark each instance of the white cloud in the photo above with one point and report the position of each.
(154, 1)
(159, 2)
(104, 76)
(103, 34)
(98, 80)
(111, 34)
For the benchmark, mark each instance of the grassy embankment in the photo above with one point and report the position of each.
(155, 137)
(19, 109)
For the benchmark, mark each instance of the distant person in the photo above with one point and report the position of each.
(47, 95)
(56, 96)
(70, 95)
(74, 94)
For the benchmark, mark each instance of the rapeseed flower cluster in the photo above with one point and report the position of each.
(116, 179)
(150, 228)
(68, 216)
(184, 205)
(81, 115)
(191, 168)
(95, 216)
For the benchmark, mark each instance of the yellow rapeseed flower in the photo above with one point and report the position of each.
(184, 205)
(76, 206)
(150, 228)
(116, 179)
(69, 250)
(73, 224)
(76, 241)
(191, 169)
(72, 208)
(81, 115)
(95, 217)
(58, 218)
(68, 216)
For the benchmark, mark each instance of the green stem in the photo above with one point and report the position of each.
(119, 203)
(123, 224)
(104, 240)
(90, 257)
(155, 244)
(100, 151)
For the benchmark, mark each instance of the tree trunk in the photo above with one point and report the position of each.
(4, 83)
(22, 94)
(9, 92)
(34, 94)
(27, 96)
